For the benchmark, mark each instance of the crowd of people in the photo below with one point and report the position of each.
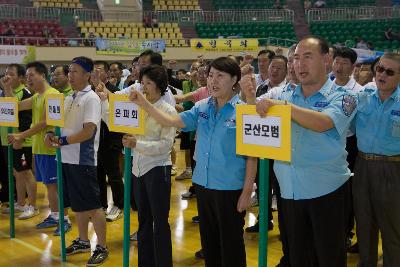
(343, 178)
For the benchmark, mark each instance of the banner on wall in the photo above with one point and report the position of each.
(127, 47)
(224, 45)
(20, 54)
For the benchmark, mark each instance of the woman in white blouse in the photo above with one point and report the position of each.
(151, 168)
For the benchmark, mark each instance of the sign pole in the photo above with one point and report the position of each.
(60, 199)
(10, 158)
(127, 204)
(263, 210)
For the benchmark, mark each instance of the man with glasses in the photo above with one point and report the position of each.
(376, 184)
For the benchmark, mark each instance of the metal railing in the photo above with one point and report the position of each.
(326, 14)
(244, 15)
(34, 13)
(188, 16)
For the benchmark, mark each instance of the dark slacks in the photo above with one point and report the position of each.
(108, 165)
(152, 195)
(316, 230)
(352, 151)
(221, 227)
(376, 195)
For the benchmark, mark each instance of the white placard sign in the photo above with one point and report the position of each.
(9, 113)
(126, 114)
(262, 131)
(54, 106)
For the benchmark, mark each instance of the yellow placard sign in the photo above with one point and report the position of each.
(267, 137)
(224, 45)
(54, 104)
(125, 116)
(9, 111)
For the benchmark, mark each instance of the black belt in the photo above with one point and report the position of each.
(376, 157)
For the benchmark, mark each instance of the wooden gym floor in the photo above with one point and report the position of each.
(34, 248)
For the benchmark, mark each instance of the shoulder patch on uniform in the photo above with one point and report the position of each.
(395, 112)
(349, 104)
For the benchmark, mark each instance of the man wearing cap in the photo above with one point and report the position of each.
(79, 143)
(376, 183)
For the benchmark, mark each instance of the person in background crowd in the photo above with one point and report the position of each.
(110, 147)
(60, 79)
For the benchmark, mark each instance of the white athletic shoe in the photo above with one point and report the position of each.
(29, 212)
(114, 214)
(17, 209)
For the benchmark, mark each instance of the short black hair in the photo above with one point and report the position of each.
(269, 53)
(158, 74)
(373, 64)
(103, 63)
(156, 59)
(281, 57)
(239, 59)
(19, 68)
(65, 68)
(323, 44)
(39, 68)
(119, 64)
(135, 59)
(346, 52)
(85, 60)
(147, 52)
(228, 65)
(182, 70)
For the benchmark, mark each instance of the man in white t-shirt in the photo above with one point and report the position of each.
(79, 143)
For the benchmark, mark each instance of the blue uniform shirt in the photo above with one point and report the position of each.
(378, 123)
(318, 165)
(217, 165)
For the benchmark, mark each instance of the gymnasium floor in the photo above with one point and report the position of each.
(33, 248)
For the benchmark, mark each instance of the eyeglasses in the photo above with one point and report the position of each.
(381, 69)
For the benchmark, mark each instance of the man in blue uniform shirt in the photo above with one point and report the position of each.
(313, 184)
(376, 184)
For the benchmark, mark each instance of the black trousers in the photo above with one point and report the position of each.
(153, 194)
(352, 151)
(4, 196)
(285, 260)
(376, 191)
(108, 166)
(192, 163)
(221, 227)
(316, 230)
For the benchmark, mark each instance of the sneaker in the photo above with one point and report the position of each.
(184, 175)
(47, 223)
(199, 254)
(133, 237)
(188, 195)
(174, 170)
(99, 256)
(114, 214)
(29, 212)
(78, 246)
(196, 219)
(17, 208)
(67, 228)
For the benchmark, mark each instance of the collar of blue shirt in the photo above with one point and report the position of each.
(395, 96)
(325, 90)
(234, 100)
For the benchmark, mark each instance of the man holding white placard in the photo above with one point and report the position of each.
(79, 143)
(12, 84)
(313, 185)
